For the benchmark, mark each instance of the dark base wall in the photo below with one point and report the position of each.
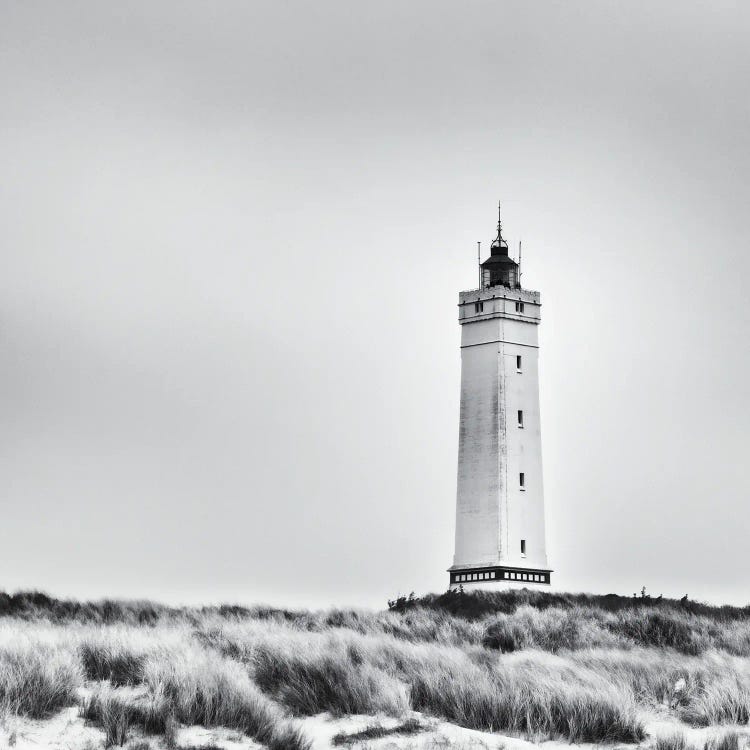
(500, 573)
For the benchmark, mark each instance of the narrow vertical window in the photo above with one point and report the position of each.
(520, 418)
(522, 481)
(478, 307)
(523, 546)
(518, 363)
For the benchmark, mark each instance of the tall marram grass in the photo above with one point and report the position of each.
(37, 677)
(199, 687)
(539, 695)
(710, 689)
(544, 665)
(187, 684)
(118, 711)
(325, 674)
(119, 653)
(678, 741)
(725, 741)
(350, 673)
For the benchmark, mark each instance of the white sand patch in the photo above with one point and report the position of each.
(227, 739)
(665, 726)
(322, 728)
(66, 730)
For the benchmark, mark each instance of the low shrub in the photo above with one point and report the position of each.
(661, 630)
(505, 634)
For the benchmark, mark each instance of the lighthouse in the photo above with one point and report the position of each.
(500, 530)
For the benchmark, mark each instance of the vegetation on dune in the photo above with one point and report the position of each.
(200, 687)
(725, 741)
(36, 679)
(119, 663)
(376, 731)
(118, 711)
(730, 740)
(544, 665)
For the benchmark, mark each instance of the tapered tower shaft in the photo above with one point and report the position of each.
(500, 525)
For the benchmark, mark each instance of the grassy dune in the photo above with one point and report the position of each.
(567, 667)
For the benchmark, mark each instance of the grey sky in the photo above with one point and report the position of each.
(233, 237)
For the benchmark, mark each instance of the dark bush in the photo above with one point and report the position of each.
(504, 635)
(661, 630)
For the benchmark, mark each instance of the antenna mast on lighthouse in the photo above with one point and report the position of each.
(479, 262)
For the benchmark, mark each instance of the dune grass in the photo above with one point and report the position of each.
(546, 666)
(378, 731)
(118, 711)
(728, 740)
(200, 687)
(36, 677)
(121, 666)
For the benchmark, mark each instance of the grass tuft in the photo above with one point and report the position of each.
(210, 690)
(119, 665)
(116, 711)
(377, 731)
(36, 678)
(730, 740)
(673, 741)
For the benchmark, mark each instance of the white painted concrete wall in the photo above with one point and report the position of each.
(493, 514)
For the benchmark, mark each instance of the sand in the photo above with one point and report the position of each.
(66, 730)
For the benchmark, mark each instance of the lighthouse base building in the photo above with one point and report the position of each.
(500, 530)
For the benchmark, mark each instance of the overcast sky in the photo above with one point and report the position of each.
(233, 237)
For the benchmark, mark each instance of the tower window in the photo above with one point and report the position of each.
(523, 547)
(522, 481)
(518, 362)
(478, 307)
(520, 418)
(519, 307)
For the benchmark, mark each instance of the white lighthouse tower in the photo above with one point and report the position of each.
(500, 537)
